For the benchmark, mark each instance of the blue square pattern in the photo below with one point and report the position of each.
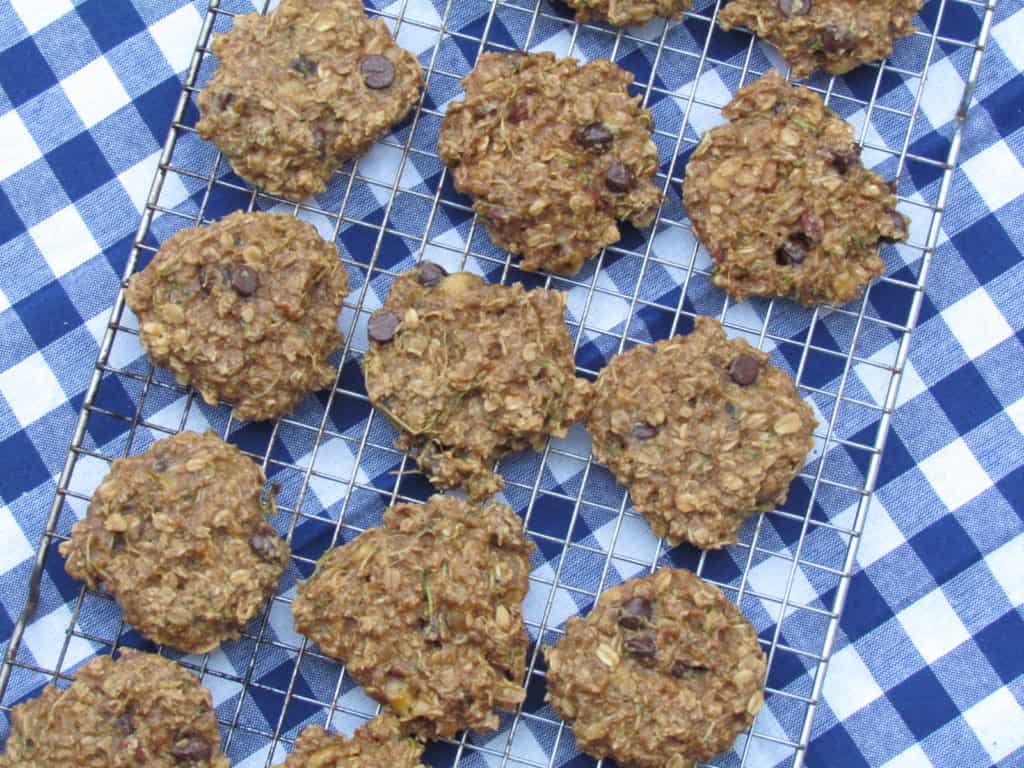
(957, 385)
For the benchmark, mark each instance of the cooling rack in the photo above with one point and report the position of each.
(333, 458)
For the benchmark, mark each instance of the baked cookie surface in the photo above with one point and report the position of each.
(703, 431)
(554, 154)
(426, 613)
(378, 744)
(621, 13)
(834, 35)
(244, 310)
(469, 372)
(180, 537)
(664, 671)
(140, 710)
(779, 197)
(303, 89)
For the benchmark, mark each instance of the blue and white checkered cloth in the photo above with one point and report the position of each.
(928, 661)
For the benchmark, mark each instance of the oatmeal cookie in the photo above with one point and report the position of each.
(470, 372)
(834, 35)
(554, 154)
(702, 430)
(140, 710)
(378, 744)
(303, 89)
(664, 671)
(179, 536)
(622, 13)
(426, 612)
(781, 200)
(245, 310)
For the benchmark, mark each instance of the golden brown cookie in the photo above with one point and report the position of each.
(779, 197)
(245, 310)
(426, 613)
(702, 430)
(554, 153)
(621, 13)
(303, 89)
(141, 710)
(663, 672)
(834, 35)
(469, 372)
(180, 537)
(377, 744)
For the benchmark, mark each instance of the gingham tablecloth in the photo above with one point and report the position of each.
(928, 668)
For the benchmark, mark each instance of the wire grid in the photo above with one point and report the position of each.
(791, 569)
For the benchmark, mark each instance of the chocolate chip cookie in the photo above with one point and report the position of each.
(303, 89)
(141, 710)
(663, 672)
(779, 197)
(834, 35)
(180, 537)
(554, 153)
(244, 310)
(426, 613)
(621, 13)
(378, 744)
(470, 372)
(702, 430)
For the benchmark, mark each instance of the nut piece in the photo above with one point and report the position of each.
(684, 686)
(139, 710)
(732, 433)
(426, 613)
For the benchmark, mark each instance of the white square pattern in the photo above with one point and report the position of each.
(175, 34)
(30, 389)
(996, 175)
(17, 147)
(36, 14)
(16, 548)
(998, 722)
(849, 684)
(933, 626)
(64, 240)
(95, 92)
(955, 487)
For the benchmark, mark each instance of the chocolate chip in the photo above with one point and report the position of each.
(643, 646)
(382, 325)
(378, 72)
(596, 137)
(430, 274)
(794, 250)
(837, 39)
(305, 67)
(812, 227)
(221, 101)
(635, 612)
(265, 545)
(191, 749)
(790, 8)
(681, 669)
(244, 280)
(643, 431)
(843, 160)
(899, 224)
(744, 369)
(618, 178)
(124, 722)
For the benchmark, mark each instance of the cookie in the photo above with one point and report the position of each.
(702, 430)
(426, 613)
(378, 744)
(664, 671)
(555, 155)
(469, 372)
(303, 89)
(622, 13)
(779, 197)
(244, 310)
(179, 536)
(834, 35)
(138, 710)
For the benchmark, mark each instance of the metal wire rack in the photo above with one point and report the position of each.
(333, 458)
